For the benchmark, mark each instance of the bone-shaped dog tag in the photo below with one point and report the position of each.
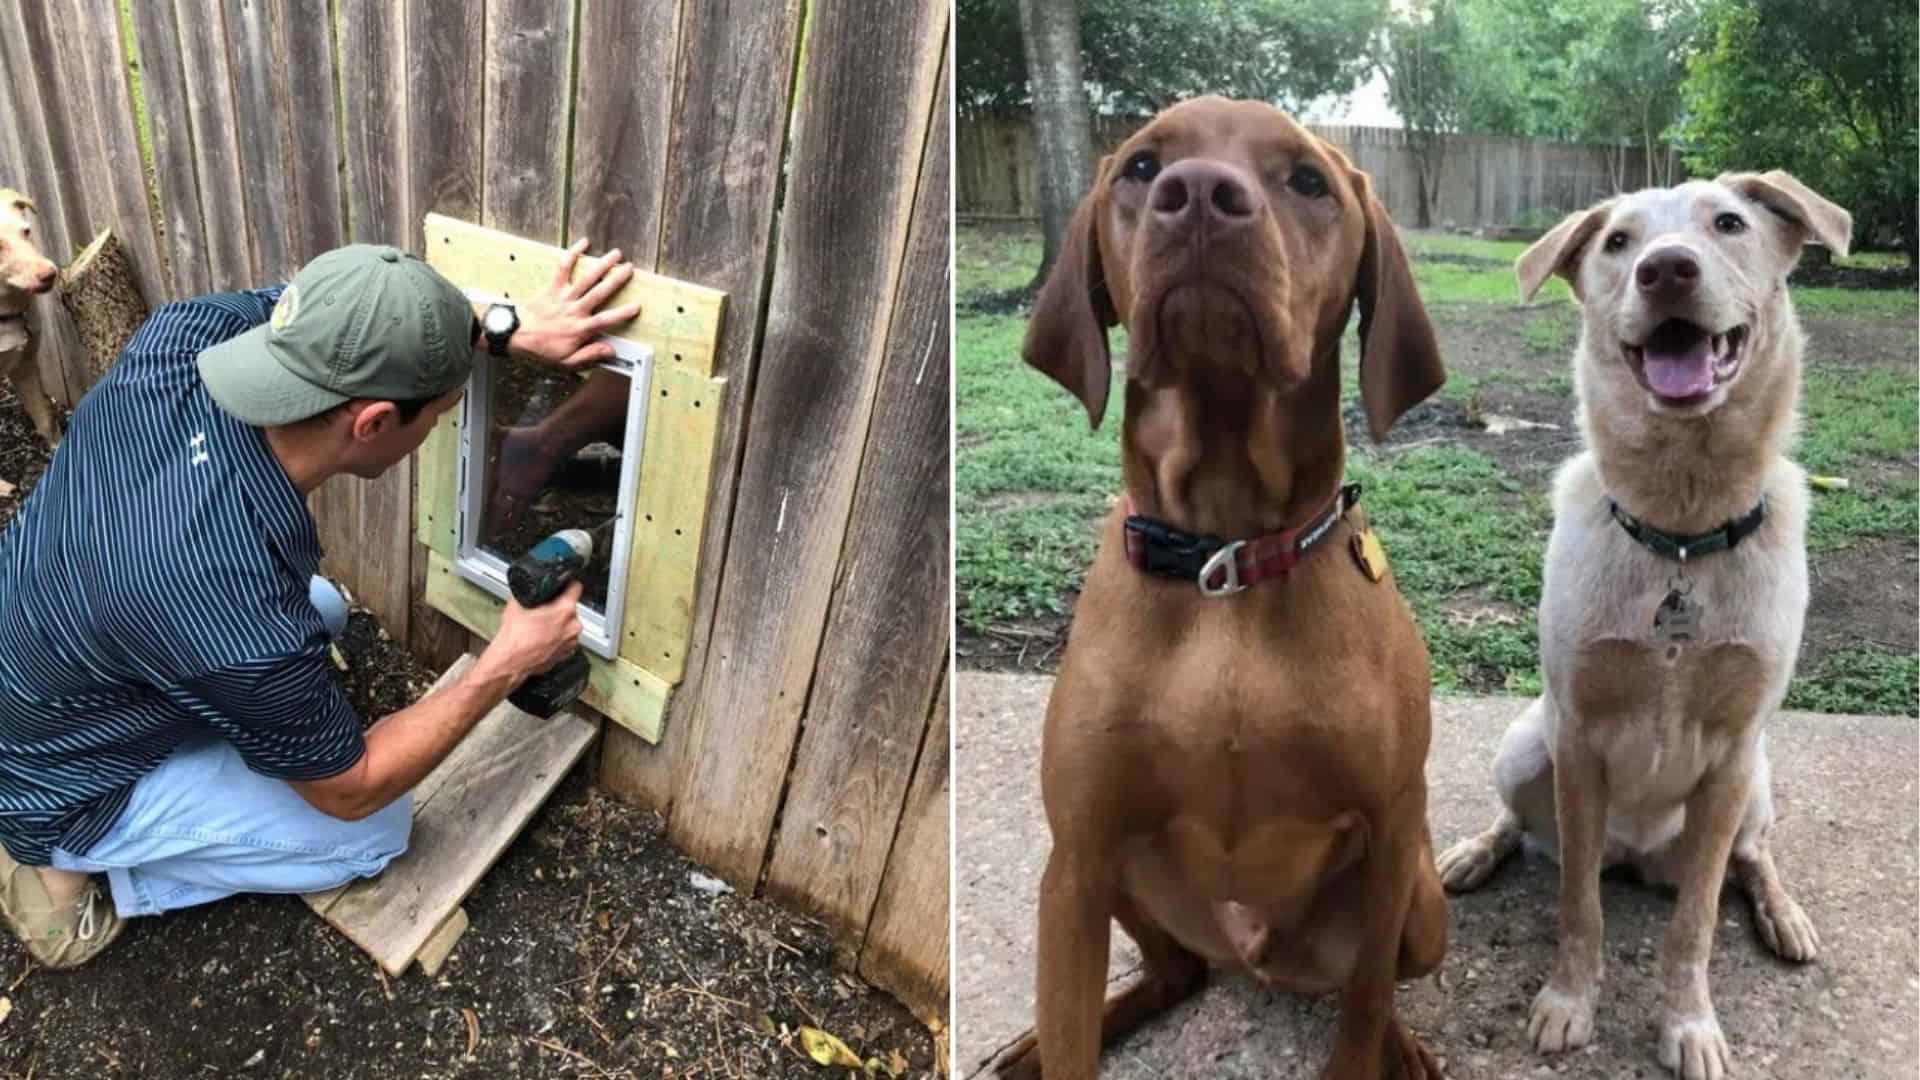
(1676, 619)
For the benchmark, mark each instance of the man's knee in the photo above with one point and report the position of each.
(387, 830)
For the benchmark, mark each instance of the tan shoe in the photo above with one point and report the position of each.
(57, 935)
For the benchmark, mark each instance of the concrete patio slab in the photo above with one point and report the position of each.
(1847, 843)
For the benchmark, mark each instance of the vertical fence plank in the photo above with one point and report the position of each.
(366, 526)
(266, 149)
(303, 44)
(38, 176)
(529, 63)
(906, 950)
(819, 365)
(163, 82)
(118, 196)
(732, 81)
(444, 93)
(886, 641)
(216, 149)
(621, 115)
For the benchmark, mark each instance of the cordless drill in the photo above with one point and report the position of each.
(535, 579)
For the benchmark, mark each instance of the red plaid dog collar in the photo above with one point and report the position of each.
(1222, 567)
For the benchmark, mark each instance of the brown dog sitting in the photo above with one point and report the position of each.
(1234, 750)
(24, 274)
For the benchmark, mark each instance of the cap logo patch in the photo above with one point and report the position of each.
(286, 309)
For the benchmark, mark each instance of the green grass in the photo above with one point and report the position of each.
(1465, 538)
(1863, 680)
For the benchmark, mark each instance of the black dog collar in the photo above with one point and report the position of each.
(1682, 548)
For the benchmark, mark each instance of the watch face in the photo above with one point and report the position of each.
(499, 320)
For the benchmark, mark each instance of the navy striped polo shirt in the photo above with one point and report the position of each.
(154, 587)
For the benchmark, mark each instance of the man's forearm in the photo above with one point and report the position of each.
(403, 747)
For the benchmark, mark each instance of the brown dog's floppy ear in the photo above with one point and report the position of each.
(1399, 358)
(1067, 335)
(1804, 210)
(1559, 251)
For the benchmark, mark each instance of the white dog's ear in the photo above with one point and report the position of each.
(1804, 210)
(1559, 251)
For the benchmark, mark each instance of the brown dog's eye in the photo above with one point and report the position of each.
(1142, 166)
(1308, 181)
(1730, 223)
(1616, 240)
(26, 234)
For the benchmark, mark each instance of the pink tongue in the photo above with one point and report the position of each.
(1686, 373)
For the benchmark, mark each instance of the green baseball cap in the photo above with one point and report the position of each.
(362, 321)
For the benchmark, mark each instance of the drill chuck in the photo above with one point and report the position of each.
(536, 578)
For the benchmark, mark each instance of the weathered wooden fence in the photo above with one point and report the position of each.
(794, 155)
(1484, 179)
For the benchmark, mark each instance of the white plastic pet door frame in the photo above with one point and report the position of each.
(600, 632)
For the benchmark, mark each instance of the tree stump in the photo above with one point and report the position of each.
(99, 291)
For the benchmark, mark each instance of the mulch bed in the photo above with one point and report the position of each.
(593, 953)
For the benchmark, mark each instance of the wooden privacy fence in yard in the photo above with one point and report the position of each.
(1484, 179)
(793, 155)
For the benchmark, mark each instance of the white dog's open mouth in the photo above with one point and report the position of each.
(1681, 363)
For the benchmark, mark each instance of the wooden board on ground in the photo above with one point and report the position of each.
(465, 813)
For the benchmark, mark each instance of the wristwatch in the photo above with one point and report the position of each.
(499, 324)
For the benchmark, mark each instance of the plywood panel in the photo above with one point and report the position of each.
(732, 78)
(678, 318)
(886, 641)
(818, 371)
(627, 694)
(164, 85)
(907, 946)
(670, 514)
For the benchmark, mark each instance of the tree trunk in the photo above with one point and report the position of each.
(1050, 30)
(99, 291)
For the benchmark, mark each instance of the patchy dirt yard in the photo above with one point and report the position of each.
(593, 953)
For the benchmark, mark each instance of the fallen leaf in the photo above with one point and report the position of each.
(1497, 424)
(6, 489)
(1828, 483)
(473, 1030)
(827, 1049)
(6, 1008)
(897, 1064)
(765, 1024)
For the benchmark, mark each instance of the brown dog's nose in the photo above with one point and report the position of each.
(1667, 270)
(47, 279)
(1193, 191)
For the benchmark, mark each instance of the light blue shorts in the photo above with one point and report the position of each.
(203, 826)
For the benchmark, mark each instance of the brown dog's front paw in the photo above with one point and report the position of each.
(1021, 1061)
(1787, 930)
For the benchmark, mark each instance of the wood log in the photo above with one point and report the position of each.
(99, 291)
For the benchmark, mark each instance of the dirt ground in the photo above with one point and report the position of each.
(1487, 346)
(592, 953)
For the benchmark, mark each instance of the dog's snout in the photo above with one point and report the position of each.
(1194, 191)
(1669, 271)
(46, 280)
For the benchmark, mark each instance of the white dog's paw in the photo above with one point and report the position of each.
(1560, 1020)
(1787, 930)
(1694, 1047)
(1466, 865)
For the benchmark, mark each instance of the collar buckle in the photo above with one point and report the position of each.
(1226, 563)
